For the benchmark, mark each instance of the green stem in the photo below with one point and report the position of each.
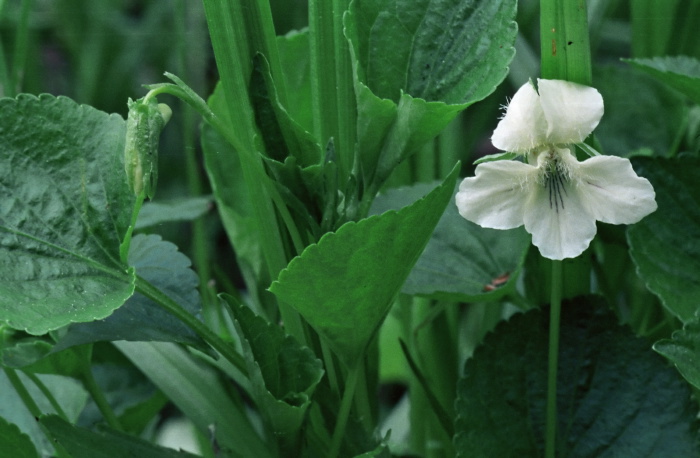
(160, 298)
(95, 391)
(22, 392)
(554, 320)
(48, 395)
(344, 411)
(199, 247)
(228, 35)
(20, 52)
(565, 44)
(33, 408)
(332, 91)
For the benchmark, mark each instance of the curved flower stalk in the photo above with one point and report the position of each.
(555, 196)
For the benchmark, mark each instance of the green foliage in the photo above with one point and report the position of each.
(679, 72)
(462, 261)
(615, 396)
(407, 94)
(662, 245)
(83, 443)
(140, 319)
(15, 440)
(344, 285)
(199, 393)
(683, 350)
(284, 376)
(631, 122)
(303, 137)
(65, 210)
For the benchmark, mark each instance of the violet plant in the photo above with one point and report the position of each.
(365, 300)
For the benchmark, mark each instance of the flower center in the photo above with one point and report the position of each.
(554, 175)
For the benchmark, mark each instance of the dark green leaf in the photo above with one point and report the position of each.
(664, 244)
(683, 349)
(284, 375)
(344, 285)
(639, 112)
(140, 319)
(462, 261)
(108, 443)
(15, 443)
(679, 72)
(65, 208)
(615, 397)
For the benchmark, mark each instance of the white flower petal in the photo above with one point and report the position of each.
(560, 225)
(612, 192)
(572, 110)
(524, 126)
(495, 197)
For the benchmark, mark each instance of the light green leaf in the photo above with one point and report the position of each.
(664, 244)
(679, 72)
(462, 261)
(284, 375)
(344, 285)
(226, 178)
(140, 319)
(65, 208)
(199, 393)
(107, 443)
(69, 393)
(683, 350)
(185, 209)
(615, 397)
(15, 442)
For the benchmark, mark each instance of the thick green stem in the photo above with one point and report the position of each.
(565, 44)
(553, 360)
(95, 391)
(344, 411)
(228, 35)
(332, 92)
(160, 298)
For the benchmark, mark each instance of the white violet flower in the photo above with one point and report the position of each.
(555, 196)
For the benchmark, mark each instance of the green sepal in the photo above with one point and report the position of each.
(496, 157)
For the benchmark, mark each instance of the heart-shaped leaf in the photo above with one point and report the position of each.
(615, 397)
(65, 208)
(344, 285)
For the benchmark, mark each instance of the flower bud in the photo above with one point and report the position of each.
(144, 123)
